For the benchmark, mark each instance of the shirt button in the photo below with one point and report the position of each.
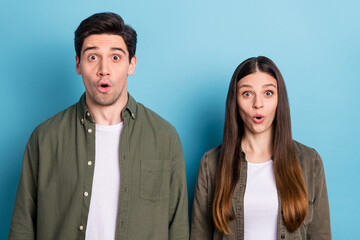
(88, 114)
(89, 163)
(82, 121)
(89, 130)
(86, 194)
(282, 236)
(81, 227)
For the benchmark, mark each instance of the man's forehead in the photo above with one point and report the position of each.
(108, 41)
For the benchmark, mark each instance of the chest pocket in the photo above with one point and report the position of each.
(155, 179)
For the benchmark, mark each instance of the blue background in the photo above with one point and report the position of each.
(187, 52)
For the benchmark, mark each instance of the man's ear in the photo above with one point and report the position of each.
(132, 65)
(78, 70)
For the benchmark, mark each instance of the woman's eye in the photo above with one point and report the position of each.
(92, 57)
(246, 94)
(116, 57)
(268, 93)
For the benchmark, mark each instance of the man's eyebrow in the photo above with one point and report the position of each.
(118, 49)
(89, 48)
(113, 49)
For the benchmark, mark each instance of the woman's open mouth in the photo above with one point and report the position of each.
(258, 118)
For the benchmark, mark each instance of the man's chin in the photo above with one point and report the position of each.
(105, 102)
(101, 100)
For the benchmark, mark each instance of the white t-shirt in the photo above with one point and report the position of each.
(260, 202)
(106, 184)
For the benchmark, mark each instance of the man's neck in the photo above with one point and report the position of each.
(107, 115)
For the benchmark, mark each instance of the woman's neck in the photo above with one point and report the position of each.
(257, 147)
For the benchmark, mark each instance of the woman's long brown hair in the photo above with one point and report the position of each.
(288, 174)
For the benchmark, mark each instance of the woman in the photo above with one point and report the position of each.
(260, 184)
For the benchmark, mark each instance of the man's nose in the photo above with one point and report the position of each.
(103, 68)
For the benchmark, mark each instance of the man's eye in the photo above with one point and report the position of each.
(246, 94)
(116, 58)
(268, 93)
(92, 57)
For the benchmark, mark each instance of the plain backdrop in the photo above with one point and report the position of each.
(187, 52)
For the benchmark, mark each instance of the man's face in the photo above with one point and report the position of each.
(104, 67)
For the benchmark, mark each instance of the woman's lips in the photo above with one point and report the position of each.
(258, 118)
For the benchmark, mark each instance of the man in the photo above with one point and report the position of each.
(106, 167)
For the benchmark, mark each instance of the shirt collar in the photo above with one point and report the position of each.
(84, 113)
(129, 108)
(242, 155)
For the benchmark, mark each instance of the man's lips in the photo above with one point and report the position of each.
(104, 86)
(258, 118)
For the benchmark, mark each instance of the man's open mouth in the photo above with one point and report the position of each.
(104, 87)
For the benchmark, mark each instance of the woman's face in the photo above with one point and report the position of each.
(257, 99)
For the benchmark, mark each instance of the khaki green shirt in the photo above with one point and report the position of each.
(316, 225)
(58, 169)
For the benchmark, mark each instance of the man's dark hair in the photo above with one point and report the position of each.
(105, 23)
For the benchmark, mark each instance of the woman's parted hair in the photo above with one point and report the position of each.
(105, 23)
(288, 174)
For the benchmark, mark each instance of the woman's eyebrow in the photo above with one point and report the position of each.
(269, 85)
(245, 85)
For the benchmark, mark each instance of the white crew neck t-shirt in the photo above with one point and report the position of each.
(106, 184)
(260, 202)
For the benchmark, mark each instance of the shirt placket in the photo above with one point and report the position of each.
(88, 164)
(125, 182)
(240, 198)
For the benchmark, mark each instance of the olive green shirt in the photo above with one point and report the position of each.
(54, 191)
(316, 225)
